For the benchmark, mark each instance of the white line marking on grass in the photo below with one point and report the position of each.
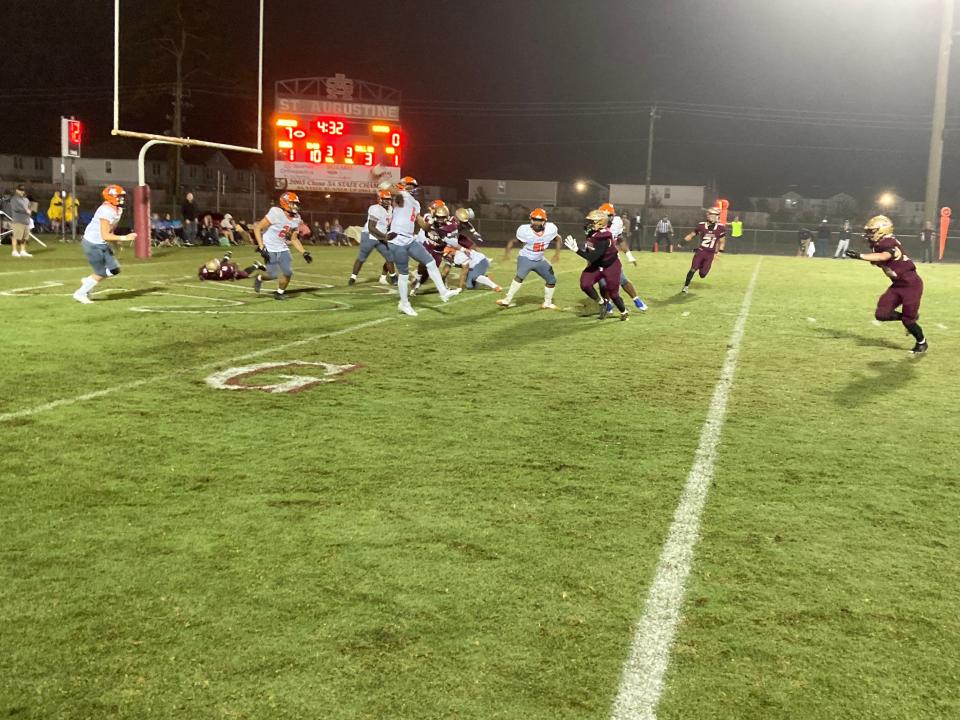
(20, 291)
(811, 319)
(942, 326)
(642, 681)
(128, 267)
(63, 402)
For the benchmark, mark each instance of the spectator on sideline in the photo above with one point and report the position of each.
(207, 233)
(189, 211)
(736, 232)
(807, 246)
(823, 234)
(20, 213)
(928, 237)
(55, 211)
(638, 228)
(244, 233)
(227, 226)
(626, 229)
(664, 234)
(844, 244)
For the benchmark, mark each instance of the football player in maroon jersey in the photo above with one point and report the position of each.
(712, 238)
(603, 262)
(226, 269)
(906, 287)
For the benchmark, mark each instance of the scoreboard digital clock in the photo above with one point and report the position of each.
(336, 134)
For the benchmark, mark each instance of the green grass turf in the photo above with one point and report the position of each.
(465, 526)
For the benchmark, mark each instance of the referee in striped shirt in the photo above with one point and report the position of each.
(664, 234)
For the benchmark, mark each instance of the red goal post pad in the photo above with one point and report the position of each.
(141, 221)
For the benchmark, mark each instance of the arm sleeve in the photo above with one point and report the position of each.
(599, 250)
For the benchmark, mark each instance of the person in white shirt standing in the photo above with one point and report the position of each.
(274, 232)
(98, 233)
(536, 238)
(404, 225)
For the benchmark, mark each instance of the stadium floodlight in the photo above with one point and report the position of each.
(580, 186)
(886, 200)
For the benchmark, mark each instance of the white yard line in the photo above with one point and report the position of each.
(128, 266)
(642, 681)
(63, 402)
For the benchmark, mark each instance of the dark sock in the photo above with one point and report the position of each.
(592, 294)
(689, 277)
(250, 269)
(618, 301)
(916, 331)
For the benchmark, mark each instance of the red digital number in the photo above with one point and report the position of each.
(75, 132)
(368, 159)
(328, 153)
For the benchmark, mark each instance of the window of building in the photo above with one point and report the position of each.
(666, 193)
(38, 163)
(18, 163)
(156, 168)
(108, 167)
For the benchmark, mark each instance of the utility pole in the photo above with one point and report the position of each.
(646, 193)
(931, 209)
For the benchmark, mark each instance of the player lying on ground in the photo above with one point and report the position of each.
(535, 238)
(226, 269)
(603, 261)
(281, 225)
(712, 238)
(374, 237)
(906, 287)
(97, 235)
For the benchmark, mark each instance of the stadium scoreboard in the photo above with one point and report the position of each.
(329, 135)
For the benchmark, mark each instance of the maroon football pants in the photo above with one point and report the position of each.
(908, 296)
(702, 262)
(610, 275)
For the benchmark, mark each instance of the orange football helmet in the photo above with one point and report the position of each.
(607, 209)
(538, 214)
(114, 195)
(409, 183)
(290, 203)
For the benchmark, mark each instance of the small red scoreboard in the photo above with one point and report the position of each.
(332, 136)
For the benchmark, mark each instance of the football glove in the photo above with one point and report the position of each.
(852, 254)
(570, 243)
(391, 236)
(264, 253)
(307, 257)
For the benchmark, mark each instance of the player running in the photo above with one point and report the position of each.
(97, 235)
(374, 237)
(603, 262)
(712, 237)
(226, 269)
(906, 287)
(615, 223)
(274, 233)
(536, 238)
(404, 223)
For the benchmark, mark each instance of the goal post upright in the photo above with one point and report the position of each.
(141, 194)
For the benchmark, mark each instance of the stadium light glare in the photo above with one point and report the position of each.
(886, 200)
(580, 186)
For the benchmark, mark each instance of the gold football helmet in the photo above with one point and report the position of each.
(465, 214)
(879, 226)
(596, 220)
(441, 212)
(213, 265)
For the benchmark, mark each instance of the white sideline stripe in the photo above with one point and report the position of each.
(126, 268)
(642, 681)
(63, 402)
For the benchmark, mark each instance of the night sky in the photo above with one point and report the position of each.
(532, 89)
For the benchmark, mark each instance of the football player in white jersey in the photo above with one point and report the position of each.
(536, 238)
(405, 223)
(274, 233)
(374, 237)
(473, 266)
(616, 229)
(97, 234)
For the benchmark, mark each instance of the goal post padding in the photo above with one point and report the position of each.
(141, 220)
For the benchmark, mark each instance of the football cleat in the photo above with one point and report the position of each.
(639, 304)
(407, 309)
(383, 280)
(920, 348)
(686, 289)
(451, 292)
(549, 306)
(625, 315)
(603, 311)
(24, 253)
(260, 266)
(81, 298)
(393, 279)
(504, 303)
(352, 281)
(280, 296)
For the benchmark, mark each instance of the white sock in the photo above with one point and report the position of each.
(630, 257)
(382, 277)
(87, 285)
(548, 295)
(353, 276)
(403, 287)
(514, 288)
(279, 291)
(434, 272)
(486, 282)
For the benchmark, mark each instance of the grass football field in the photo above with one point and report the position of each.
(465, 525)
